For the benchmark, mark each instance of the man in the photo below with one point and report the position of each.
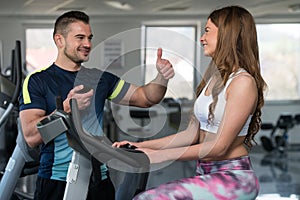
(66, 77)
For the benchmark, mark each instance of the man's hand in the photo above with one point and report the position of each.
(83, 99)
(164, 67)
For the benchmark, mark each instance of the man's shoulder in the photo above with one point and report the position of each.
(38, 74)
(96, 72)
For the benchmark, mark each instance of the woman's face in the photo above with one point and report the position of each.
(209, 38)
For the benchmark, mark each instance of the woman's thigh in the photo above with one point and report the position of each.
(231, 185)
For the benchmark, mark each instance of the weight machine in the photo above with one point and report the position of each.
(278, 139)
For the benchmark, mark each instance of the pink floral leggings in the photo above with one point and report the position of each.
(215, 180)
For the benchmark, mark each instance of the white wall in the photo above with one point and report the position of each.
(11, 30)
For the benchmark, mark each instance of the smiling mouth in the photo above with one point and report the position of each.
(85, 52)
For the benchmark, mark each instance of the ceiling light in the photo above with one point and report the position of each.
(119, 5)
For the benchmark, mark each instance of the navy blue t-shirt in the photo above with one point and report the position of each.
(40, 90)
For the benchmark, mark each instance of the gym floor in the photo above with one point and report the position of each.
(278, 173)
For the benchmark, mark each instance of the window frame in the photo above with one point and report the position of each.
(196, 59)
(46, 25)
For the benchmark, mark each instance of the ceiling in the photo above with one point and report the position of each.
(147, 8)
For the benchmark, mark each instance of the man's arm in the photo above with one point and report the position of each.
(153, 92)
(29, 118)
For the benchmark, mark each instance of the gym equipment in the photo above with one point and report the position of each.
(277, 141)
(297, 119)
(143, 116)
(86, 147)
(9, 92)
(20, 155)
(279, 133)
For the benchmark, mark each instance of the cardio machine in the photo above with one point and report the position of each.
(21, 154)
(10, 84)
(87, 147)
(24, 160)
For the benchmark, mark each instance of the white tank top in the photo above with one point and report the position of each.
(201, 109)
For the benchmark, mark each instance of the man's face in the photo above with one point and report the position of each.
(78, 42)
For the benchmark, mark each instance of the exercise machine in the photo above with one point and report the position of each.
(9, 90)
(24, 160)
(278, 139)
(21, 155)
(87, 147)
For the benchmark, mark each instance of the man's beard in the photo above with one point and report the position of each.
(75, 58)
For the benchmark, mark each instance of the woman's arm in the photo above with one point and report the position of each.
(184, 138)
(241, 101)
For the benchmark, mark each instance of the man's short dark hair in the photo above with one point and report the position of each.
(67, 18)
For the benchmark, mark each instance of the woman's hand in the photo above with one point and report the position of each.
(155, 156)
(123, 143)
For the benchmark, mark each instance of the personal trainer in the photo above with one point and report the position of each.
(66, 77)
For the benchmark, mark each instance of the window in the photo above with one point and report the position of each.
(40, 48)
(279, 46)
(179, 46)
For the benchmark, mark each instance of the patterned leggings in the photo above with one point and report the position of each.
(223, 180)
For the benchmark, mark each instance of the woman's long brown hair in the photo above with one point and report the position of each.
(236, 48)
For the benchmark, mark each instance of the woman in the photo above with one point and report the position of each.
(227, 115)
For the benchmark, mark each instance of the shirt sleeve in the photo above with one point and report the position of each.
(118, 89)
(32, 94)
